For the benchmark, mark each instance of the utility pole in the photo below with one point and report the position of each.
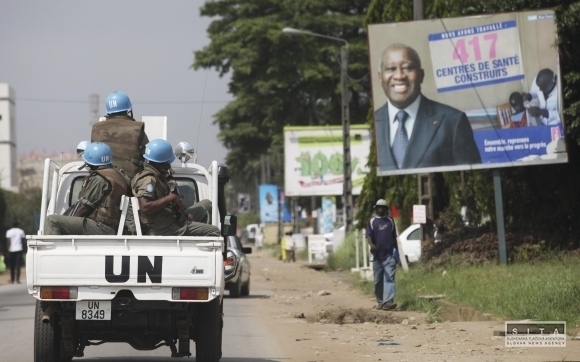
(281, 195)
(347, 186)
(347, 175)
(425, 181)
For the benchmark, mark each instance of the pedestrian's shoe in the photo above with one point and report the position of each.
(379, 306)
(389, 306)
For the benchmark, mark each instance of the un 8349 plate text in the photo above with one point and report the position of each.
(94, 310)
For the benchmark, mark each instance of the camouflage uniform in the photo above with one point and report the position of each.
(127, 140)
(153, 185)
(102, 191)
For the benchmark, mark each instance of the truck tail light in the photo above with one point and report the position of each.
(190, 293)
(59, 292)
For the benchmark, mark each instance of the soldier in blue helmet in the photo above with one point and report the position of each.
(161, 210)
(122, 133)
(97, 210)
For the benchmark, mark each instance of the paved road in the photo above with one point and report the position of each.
(246, 339)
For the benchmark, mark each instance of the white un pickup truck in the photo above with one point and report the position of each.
(147, 291)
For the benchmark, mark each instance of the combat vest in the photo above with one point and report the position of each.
(165, 217)
(126, 137)
(108, 212)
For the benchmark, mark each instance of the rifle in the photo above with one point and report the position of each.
(180, 216)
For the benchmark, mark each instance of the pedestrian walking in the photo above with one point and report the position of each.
(382, 238)
(15, 238)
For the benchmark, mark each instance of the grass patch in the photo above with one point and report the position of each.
(273, 249)
(545, 291)
(344, 257)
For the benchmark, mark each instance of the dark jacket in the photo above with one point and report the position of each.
(442, 136)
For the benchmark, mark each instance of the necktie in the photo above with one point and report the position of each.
(401, 139)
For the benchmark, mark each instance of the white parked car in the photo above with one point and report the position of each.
(410, 238)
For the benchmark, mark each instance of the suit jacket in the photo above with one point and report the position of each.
(442, 136)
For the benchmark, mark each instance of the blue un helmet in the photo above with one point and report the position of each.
(159, 151)
(118, 102)
(98, 154)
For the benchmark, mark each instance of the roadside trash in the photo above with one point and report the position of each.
(388, 343)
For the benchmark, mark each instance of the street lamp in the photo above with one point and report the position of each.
(347, 182)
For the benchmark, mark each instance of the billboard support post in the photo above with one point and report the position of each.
(418, 9)
(499, 216)
(425, 196)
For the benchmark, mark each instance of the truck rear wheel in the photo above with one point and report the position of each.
(208, 342)
(48, 345)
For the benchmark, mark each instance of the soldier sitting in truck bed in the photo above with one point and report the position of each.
(161, 209)
(97, 210)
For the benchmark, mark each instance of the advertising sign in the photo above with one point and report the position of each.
(316, 248)
(268, 203)
(268, 195)
(243, 202)
(327, 215)
(313, 158)
(467, 93)
(419, 214)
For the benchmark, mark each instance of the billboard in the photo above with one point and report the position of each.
(467, 93)
(268, 194)
(327, 216)
(243, 202)
(313, 159)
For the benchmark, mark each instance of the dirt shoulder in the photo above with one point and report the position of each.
(5, 277)
(299, 304)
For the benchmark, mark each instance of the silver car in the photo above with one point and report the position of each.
(239, 285)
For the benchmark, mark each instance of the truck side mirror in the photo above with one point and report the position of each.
(230, 225)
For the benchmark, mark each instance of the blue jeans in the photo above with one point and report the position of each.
(384, 274)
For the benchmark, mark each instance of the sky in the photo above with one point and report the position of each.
(55, 54)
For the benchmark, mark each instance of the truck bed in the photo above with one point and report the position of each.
(100, 266)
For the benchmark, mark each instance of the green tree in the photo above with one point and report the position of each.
(279, 80)
(22, 206)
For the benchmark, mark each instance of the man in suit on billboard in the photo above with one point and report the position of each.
(413, 131)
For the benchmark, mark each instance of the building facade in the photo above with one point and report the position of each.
(8, 173)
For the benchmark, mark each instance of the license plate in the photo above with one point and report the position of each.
(93, 310)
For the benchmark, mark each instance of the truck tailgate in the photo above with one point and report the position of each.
(147, 267)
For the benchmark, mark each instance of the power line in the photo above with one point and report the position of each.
(135, 102)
